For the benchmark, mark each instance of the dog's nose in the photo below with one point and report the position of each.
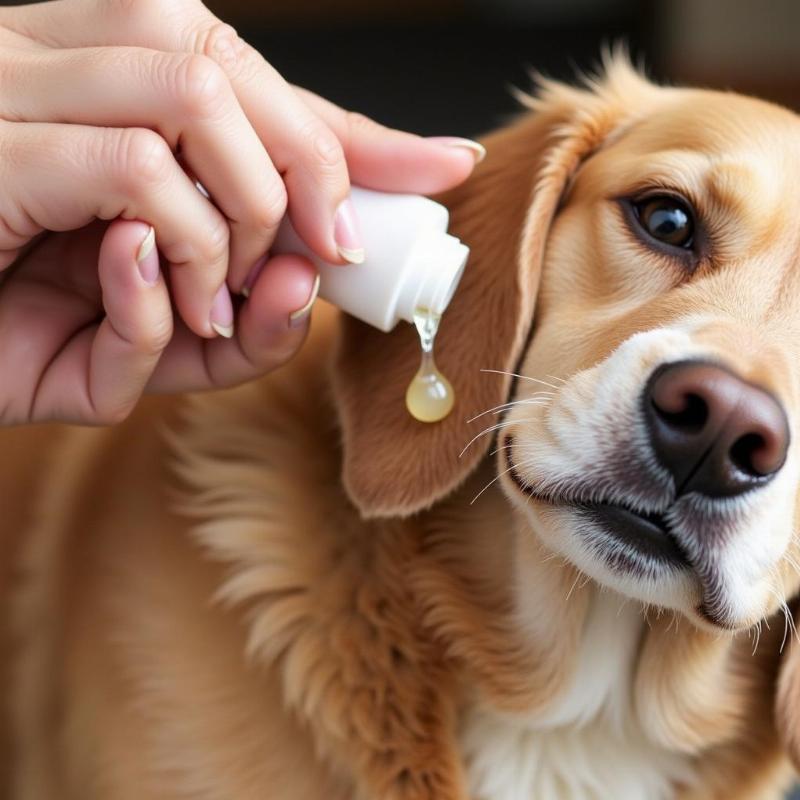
(717, 434)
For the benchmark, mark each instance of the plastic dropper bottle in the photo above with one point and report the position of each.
(411, 263)
(411, 269)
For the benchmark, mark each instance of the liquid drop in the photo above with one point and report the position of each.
(429, 397)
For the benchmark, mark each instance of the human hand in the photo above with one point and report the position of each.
(110, 110)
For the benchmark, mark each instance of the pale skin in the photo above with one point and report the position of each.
(116, 273)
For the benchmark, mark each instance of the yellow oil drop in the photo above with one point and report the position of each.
(429, 397)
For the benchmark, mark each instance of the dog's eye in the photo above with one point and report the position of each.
(667, 220)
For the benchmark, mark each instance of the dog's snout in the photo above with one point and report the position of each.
(717, 434)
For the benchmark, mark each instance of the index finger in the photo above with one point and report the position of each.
(390, 160)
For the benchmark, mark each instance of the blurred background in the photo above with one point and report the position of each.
(444, 66)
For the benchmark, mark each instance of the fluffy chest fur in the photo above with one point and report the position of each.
(586, 743)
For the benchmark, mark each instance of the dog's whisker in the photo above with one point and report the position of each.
(789, 623)
(556, 378)
(498, 476)
(542, 401)
(674, 621)
(527, 401)
(757, 637)
(791, 614)
(792, 624)
(522, 377)
(773, 586)
(572, 588)
(532, 400)
(491, 429)
(501, 447)
(621, 606)
(792, 562)
(785, 610)
(781, 598)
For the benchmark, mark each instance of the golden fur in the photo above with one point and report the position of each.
(283, 591)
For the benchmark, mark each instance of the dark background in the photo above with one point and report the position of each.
(444, 66)
(444, 74)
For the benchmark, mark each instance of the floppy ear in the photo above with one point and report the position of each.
(392, 464)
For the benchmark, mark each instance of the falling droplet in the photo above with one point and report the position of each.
(430, 396)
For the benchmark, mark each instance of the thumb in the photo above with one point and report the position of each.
(138, 322)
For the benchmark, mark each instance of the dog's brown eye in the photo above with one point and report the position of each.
(667, 220)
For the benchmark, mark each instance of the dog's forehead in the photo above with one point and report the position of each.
(710, 120)
(749, 139)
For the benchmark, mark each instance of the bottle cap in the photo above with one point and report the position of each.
(434, 268)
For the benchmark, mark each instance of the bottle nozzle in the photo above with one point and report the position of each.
(437, 264)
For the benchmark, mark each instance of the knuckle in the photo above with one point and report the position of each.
(224, 46)
(201, 86)
(272, 208)
(216, 240)
(141, 156)
(249, 65)
(155, 339)
(358, 124)
(321, 145)
(15, 65)
(15, 148)
(217, 41)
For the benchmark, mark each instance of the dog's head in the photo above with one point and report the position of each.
(649, 437)
(652, 440)
(653, 447)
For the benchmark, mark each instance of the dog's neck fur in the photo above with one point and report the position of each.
(573, 730)
(586, 742)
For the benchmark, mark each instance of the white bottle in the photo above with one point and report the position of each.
(411, 262)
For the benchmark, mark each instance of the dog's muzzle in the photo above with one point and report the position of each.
(661, 501)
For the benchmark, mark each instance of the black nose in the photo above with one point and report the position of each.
(717, 434)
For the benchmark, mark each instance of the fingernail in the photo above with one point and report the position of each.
(297, 318)
(347, 234)
(476, 148)
(147, 258)
(252, 276)
(221, 317)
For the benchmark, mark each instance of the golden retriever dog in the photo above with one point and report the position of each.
(294, 591)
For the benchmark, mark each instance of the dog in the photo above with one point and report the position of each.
(294, 590)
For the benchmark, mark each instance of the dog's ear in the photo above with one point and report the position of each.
(392, 464)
